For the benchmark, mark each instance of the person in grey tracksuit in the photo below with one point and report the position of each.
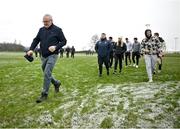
(150, 48)
(136, 49)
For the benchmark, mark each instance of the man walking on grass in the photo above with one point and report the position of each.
(150, 48)
(51, 39)
(136, 50)
(102, 48)
(128, 52)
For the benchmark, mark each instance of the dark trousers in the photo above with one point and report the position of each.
(160, 63)
(36, 53)
(128, 56)
(61, 55)
(101, 61)
(111, 56)
(137, 56)
(118, 59)
(72, 55)
(67, 54)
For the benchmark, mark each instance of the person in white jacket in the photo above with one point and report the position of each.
(128, 52)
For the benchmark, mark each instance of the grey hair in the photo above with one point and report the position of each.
(48, 15)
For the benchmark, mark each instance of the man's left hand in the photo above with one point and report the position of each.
(52, 48)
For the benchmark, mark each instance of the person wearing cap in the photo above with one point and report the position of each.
(51, 39)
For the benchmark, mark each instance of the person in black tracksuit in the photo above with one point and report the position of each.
(120, 49)
(160, 52)
(111, 54)
(61, 52)
(68, 51)
(72, 52)
(102, 48)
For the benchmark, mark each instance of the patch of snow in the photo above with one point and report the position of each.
(46, 118)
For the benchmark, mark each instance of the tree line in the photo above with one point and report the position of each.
(11, 47)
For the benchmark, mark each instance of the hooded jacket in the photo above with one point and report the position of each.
(149, 45)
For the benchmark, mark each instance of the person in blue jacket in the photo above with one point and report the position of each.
(102, 48)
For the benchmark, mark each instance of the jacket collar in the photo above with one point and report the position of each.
(49, 27)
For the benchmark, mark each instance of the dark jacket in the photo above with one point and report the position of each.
(102, 48)
(52, 36)
(112, 46)
(73, 50)
(68, 49)
(120, 49)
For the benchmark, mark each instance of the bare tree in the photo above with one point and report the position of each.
(94, 39)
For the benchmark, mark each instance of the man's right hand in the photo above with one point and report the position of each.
(30, 53)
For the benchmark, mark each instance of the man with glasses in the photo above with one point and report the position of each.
(51, 39)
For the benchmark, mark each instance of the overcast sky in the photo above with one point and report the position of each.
(81, 19)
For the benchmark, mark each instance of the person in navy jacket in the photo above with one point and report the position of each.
(102, 48)
(51, 39)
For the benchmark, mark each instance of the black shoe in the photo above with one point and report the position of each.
(42, 98)
(114, 72)
(56, 86)
(120, 71)
(108, 73)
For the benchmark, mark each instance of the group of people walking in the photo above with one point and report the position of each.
(151, 47)
(68, 50)
(52, 39)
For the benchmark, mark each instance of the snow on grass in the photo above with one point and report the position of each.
(45, 118)
(132, 105)
(139, 102)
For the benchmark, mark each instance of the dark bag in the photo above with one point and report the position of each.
(29, 58)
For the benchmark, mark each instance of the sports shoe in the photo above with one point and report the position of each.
(150, 81)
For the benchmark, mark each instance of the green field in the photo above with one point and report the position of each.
(85, 100)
